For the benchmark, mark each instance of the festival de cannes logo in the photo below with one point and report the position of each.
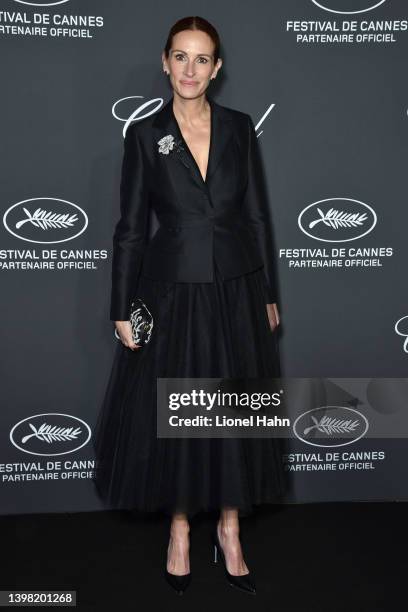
(44, 3)
(350, 7)
(337, 220)
(59, 433)
(45, 220)
(329, 425)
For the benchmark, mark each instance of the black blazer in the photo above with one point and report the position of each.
(224, 218)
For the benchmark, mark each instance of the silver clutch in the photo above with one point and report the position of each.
(141, 321)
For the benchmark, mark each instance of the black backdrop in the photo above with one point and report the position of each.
(325, 83)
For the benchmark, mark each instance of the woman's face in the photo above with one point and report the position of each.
(190, 63)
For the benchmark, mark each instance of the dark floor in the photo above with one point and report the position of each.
(312, 557)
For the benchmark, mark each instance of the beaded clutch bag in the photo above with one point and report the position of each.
(141, 321)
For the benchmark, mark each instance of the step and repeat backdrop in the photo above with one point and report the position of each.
(325, 83)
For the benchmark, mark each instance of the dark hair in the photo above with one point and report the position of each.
(194, 23)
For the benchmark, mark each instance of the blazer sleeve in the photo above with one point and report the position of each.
(129, 237)
(257, 211)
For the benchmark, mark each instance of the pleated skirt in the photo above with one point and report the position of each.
(218, 329)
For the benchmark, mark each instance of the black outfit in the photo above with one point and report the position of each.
(206, 276)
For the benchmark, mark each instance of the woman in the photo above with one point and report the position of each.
(206, 277)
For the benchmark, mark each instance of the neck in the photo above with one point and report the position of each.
(190, 110)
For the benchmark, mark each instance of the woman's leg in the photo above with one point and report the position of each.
(228, 533)
(178, 561)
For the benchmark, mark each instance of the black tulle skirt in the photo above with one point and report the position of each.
(200, 330)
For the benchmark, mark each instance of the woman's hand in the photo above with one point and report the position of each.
(125, 332)
(273, 315)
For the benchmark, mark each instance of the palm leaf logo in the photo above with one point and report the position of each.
(46, 220)
(338, 218)
(330, 425)
(49, 433)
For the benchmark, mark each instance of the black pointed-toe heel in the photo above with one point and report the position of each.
(179, 583)
(244, 582)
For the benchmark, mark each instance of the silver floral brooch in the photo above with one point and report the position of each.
(167, 143)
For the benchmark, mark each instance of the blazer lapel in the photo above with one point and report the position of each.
(221, 133)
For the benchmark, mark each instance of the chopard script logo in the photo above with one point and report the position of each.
(402, 322)
(152, 106)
